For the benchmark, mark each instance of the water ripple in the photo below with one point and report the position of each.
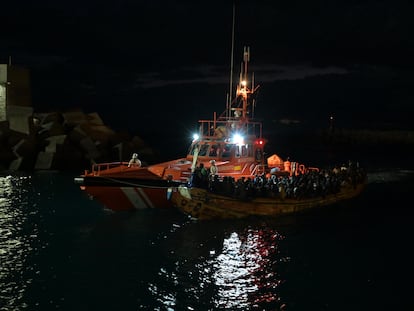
(240, 274)
(18, 237)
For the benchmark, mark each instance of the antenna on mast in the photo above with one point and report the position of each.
(246, 59)
(231, 62)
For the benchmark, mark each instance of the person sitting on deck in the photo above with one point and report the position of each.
(135, 162)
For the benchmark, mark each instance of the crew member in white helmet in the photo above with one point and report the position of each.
(135, 162)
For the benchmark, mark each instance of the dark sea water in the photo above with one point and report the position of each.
(61, 251)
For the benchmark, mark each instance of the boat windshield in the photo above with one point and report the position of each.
(214, 150)
(227, 150)
(203, 150)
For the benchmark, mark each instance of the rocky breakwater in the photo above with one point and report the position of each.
(69, 141)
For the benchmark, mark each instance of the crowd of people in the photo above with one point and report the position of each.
(202, 177)
(312, 183)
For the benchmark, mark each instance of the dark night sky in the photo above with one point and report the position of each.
(168, 62)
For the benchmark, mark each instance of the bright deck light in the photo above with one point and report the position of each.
(238, 139)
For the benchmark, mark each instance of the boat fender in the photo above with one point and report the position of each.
(184, 192)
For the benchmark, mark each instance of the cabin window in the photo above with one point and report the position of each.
(244, 151)
(227, 150)
(214, 151)
(249, 150)
(238, 151)
(203, 150)
(259, 155)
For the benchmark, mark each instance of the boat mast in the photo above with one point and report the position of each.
(230, 99)
(246, 59)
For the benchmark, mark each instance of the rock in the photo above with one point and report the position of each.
(65, 141)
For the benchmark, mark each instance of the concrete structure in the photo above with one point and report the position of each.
(15, 98)
(53, 140)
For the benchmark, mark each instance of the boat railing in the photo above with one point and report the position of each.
(246, 126)
(99, 167)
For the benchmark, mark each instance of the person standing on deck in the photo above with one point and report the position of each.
(213, 169)
(135, 162)
(202, 175)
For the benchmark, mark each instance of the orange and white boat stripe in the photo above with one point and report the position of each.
(137, 197)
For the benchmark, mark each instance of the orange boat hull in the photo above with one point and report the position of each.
(120, 188)
(130, 198)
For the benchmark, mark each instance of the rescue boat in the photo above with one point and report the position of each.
(233, 141)
(247, 183)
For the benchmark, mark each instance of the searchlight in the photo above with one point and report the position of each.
(238, 139)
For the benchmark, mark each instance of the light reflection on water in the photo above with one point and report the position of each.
(245, 271)
(16, 241)
(241, 274)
